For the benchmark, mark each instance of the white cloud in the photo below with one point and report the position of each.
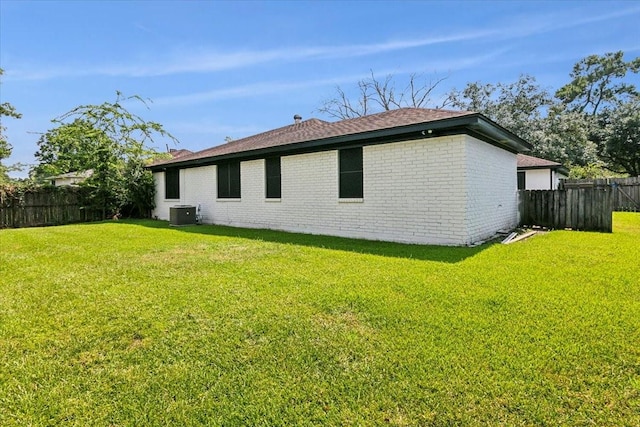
(266, 88)
(207, 61)
(210, 128)
(245, 91)
(526, 26)
(212, 61)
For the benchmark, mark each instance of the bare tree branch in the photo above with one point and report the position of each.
(375, 95)
(421, 94)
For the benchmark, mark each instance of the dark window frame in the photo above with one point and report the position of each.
(228, 175)
(522, 180)
(351, 173)
(172, 184)
(273, 177)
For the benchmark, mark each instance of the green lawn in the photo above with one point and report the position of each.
(135, 323)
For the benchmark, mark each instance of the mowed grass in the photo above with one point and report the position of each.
(136, 323)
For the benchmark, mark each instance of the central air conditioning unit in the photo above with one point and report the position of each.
(182, 215)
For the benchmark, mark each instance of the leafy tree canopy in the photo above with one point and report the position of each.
(609, 108)
(590, 124)
(70, 147)
(564, 136)
(517, 106)
(113, 143)
(620, 137)
(6, 110)
(597, 82)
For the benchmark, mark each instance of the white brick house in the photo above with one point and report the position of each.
(535, 173)
(407, 175)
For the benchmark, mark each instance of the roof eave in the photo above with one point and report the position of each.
(558, 168)
(499, 134)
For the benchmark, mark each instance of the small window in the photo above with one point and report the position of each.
(272, 175)
(522, 182)
(172, 184)
(351, 173)
(229, 180)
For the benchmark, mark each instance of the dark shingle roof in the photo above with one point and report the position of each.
(304, 131)
(531, 162)
(179, 153)
(525, 161)
(312, 130)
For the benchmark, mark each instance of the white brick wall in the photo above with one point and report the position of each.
(162, 205)
(492, 202)
(198, 187)
(449, 190)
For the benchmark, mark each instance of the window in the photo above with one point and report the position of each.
(521, 180)
(229, 180)
(272, 175)
(172, 184)
(350, 173)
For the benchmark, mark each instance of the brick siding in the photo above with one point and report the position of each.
(453, 190)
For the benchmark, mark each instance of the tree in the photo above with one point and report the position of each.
(113, 143)
(597, 83)
(373, 96)
(6, 110)
(609, 107)
(517, 106)
(70, 147)
(592, 171)
(588, 125)
(620, 137)
(556, 131)
(565, 136)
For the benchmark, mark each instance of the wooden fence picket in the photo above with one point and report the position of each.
(44, 206)
(580, 204)
(576, 208)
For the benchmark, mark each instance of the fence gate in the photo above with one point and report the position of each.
(626, 195)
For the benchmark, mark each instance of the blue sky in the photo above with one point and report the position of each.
(218, 69)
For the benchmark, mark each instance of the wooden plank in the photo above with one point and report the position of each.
(608, 214)
(581, 205)
(540, 208)
(546, 209)
(559, 222)
(570, 208)
(588, 201)
(520, 237)
(599, 204)
(569, 213)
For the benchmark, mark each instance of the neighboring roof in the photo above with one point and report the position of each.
(531, 162)
(75, 174)
(175, 153)
(316, 135)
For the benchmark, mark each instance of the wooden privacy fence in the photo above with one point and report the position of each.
(44, 206)
(626, 194)
(580, 204)
(576, 208)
